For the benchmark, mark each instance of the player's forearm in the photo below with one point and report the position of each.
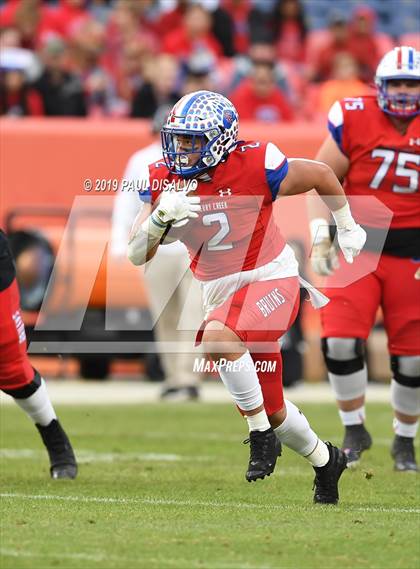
(144, 240)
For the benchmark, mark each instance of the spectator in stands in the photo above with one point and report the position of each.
(261, 21)
(223, 28)
(68, 15)
(194, 35)
(337, 43)
(124, 28)
(136, 56)
(32, 18)
(259, 98)
(17, 96)
(261, 52)
(9, 37)
(159, 88)
(239, 13)
(171, 19)
(61, 91)
(197, 74)
(87, 50)
(221, 23)
(290, 31)
(345, 82)
(100, 10)
(363, 43)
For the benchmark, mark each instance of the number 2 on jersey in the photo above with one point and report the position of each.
(214, 243)
(388, 157)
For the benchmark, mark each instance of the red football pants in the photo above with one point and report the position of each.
(352, 310)
(260, 314)
(15, 368)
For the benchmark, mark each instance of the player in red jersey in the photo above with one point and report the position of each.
(374, 146)
(20, 380)
(219, 201)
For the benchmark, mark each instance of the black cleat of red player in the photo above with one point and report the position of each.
(62, 460)
(264, 450)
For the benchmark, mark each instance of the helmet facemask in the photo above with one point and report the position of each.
(180, 146)
(399, 105)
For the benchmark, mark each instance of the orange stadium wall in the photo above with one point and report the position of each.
(44, 163)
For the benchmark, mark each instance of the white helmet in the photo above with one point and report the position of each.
(211, 121)
(400, 63)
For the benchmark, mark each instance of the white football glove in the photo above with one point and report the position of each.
(351, 237)
(324, 259)
(351, 241)
(176, 208)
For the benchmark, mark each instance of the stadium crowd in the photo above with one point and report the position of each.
(275, 59)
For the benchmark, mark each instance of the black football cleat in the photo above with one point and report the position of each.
(402, 451)
(264, 450)
(327, 477)
(62, 460)
(356, 440)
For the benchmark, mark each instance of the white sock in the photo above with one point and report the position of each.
(241, 380)
(38, 406)
(355, 417)
(405, 429)
(296, 433)
(258, 422)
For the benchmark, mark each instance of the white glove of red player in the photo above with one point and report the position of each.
(324, 259)
(177, 208)
(351, 241)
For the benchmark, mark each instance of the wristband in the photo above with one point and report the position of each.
(153, 226)
(343, 218)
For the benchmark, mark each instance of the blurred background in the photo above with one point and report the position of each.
(82, 82)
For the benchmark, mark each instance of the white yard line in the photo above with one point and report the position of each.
(122, 561)
(85, 456)
(83, 556)
(88, 457)
(199, 504)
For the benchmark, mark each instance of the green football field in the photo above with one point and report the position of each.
(162, 486)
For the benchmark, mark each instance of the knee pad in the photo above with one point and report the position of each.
(27, 390)
(343, 356)
(406, 370)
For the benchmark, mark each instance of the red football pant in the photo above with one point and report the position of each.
(15, 368)
(352, 310)
(260, 314)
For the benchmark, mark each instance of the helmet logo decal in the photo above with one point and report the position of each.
(228, 118)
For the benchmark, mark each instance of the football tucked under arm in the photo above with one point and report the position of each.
(173, 208)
